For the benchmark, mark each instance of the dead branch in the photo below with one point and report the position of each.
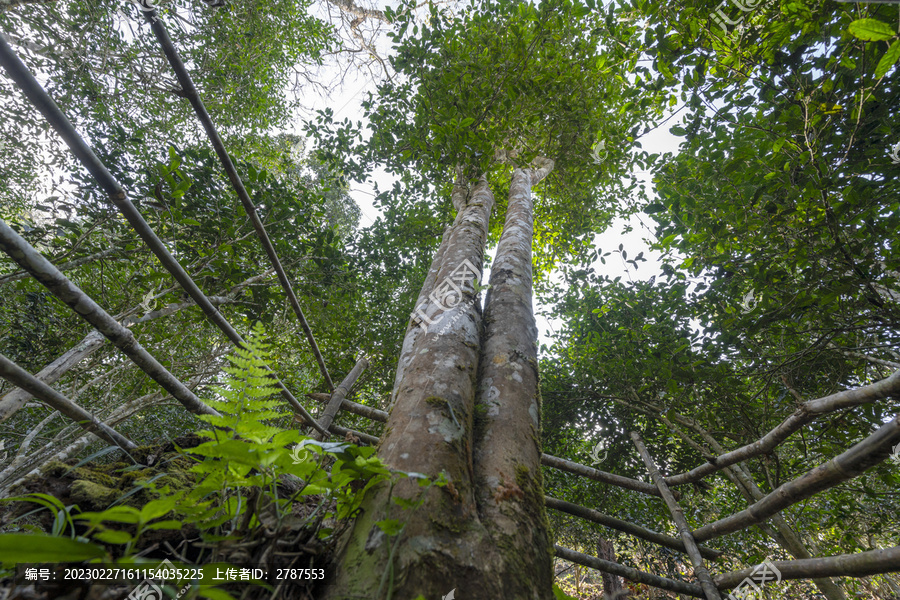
(861, 564)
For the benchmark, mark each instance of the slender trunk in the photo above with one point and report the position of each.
(612, 584)
(507, 458)
(420, 316)
(443, 545)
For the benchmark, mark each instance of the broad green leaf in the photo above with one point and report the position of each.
(157, 508)
(561, 595)
(116, 514)
(170, 524)
(889, 59)
(871, 30)
(36, 548)
(390, 526)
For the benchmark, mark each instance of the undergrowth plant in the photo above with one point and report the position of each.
(240, 476)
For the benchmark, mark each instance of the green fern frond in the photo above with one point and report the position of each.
(243, 399)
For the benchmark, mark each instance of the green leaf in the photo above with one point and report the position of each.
(113, 536)
(561, 595)
(116, 514)
(214, 594)
(174, 158)
(871, 30)
(170, 524)
(888, 60)
(34, 548)
(390, 526)
(38, 498)
(158, 508)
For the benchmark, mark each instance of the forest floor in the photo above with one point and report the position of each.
(277, 546)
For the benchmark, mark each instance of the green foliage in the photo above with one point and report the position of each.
(236, 488)
(561, 595)
(247, 452)
(495, 86)
(871, 30)
(780, 271)
(35, 548)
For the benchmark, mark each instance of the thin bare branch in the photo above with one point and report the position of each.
(40, 268)
(590, 514)
(40, 390)
(334, 404)
(867, 453)
(861, 564)
(700, 570)
(190, 92)
(36, 94)
(681, 587)
(806, 413)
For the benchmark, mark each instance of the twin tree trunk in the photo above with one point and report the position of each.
(466, 403)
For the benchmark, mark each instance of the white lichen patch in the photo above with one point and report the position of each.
(438, 424)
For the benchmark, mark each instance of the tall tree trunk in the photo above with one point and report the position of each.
(443, 544)
(509, 488)
(484, 534)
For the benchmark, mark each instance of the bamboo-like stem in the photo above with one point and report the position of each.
(354, 407)
(344, 432)
(806, 413)
(30, 465)
(11, 402)
(66, 266)
(36, 94)
(40, 390)
(597, 475)
(867, 453)
(783, 534)
(709, 588)
(334, 405)
(16, 399)
(30, 259)
(860, 564)
(630, 528)
(681, 587)
(190, 92)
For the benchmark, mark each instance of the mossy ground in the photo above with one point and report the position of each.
(96, 485)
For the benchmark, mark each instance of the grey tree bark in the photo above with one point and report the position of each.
(484, 534)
